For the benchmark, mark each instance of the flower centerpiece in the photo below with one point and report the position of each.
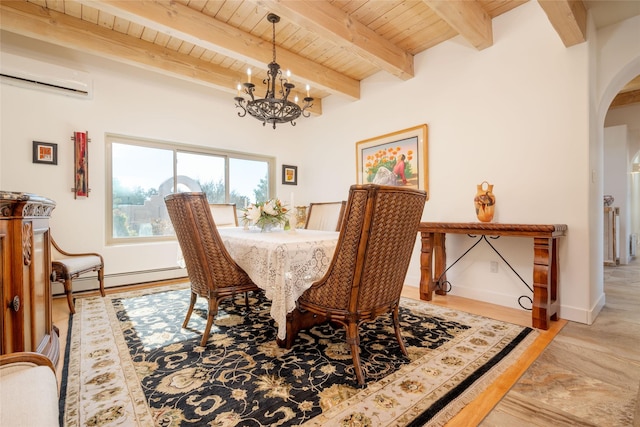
(265, 215)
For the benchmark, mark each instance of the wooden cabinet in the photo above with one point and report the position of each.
(25, 270)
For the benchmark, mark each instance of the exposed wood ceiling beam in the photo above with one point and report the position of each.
(47, 25)
(626, 98)
(568, 18)
(467, 18)
(341, 29)
(194, 27)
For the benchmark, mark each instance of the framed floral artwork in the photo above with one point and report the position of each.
(45, 152)
(397, 158)
(289, 175)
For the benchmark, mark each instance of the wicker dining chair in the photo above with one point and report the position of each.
(366, 275)
(212, 272)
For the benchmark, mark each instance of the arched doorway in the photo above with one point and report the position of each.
(618, 62)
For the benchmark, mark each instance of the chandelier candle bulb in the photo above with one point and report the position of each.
(248, 75)
(308, 87)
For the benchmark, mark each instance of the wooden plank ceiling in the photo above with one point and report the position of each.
(330, 45)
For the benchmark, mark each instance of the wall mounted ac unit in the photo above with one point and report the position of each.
(29, 73)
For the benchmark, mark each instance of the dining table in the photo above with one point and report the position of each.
(284, 263)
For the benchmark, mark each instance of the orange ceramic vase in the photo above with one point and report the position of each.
(485, 202)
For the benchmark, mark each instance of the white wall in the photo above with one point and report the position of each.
(125, 101)
(515, 114)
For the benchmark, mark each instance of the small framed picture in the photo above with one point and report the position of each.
(289, 175)
(45, 152)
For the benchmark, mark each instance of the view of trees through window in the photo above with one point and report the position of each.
(144, 172)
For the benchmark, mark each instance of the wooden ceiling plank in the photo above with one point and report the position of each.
(121, 25)
(337, 26)
(106, 20)
(149, 35)
(468, 18)
(90, 14)
(568, 18)
(135, 30)
(74, 9)
(47, 25)
(162, 39)
(194, 27)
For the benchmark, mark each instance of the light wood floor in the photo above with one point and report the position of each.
(474, 412)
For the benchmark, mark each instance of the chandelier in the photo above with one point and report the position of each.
(271, 109)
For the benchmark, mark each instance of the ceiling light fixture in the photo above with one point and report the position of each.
(271, 109)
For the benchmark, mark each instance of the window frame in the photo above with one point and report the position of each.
(175, 147)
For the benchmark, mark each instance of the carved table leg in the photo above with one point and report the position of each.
(545, 282)
(440, 263)
(426, 262)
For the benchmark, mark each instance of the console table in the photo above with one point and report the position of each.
(433, 260)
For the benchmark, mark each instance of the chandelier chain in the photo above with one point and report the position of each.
(274, 40)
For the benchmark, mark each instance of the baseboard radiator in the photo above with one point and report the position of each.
(90, 282)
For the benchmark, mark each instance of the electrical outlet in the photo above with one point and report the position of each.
(493, 266)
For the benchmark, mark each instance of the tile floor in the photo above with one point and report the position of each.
(588, 375)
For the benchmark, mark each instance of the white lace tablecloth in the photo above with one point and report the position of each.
(282, 263)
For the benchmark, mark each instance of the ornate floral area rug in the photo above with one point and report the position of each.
(130, 363)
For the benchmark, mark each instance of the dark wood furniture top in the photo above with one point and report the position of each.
(545, 263)
(496, 229)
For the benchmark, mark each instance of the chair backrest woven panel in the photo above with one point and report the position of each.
(392, 237)
(342, 269)
(374, 250)
(209, 265)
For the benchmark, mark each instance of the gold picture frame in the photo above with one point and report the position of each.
(377, 159)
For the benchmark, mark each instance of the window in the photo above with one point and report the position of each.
(143, 172)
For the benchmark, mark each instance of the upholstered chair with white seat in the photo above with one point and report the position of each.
(325, 216)
(224, 214)
(28, 390)
(66, 266)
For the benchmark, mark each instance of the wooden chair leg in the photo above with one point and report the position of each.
(194, 297)
(396, 325)
(211, 315)
(67, 291)
(353, 339)
(101, 280)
